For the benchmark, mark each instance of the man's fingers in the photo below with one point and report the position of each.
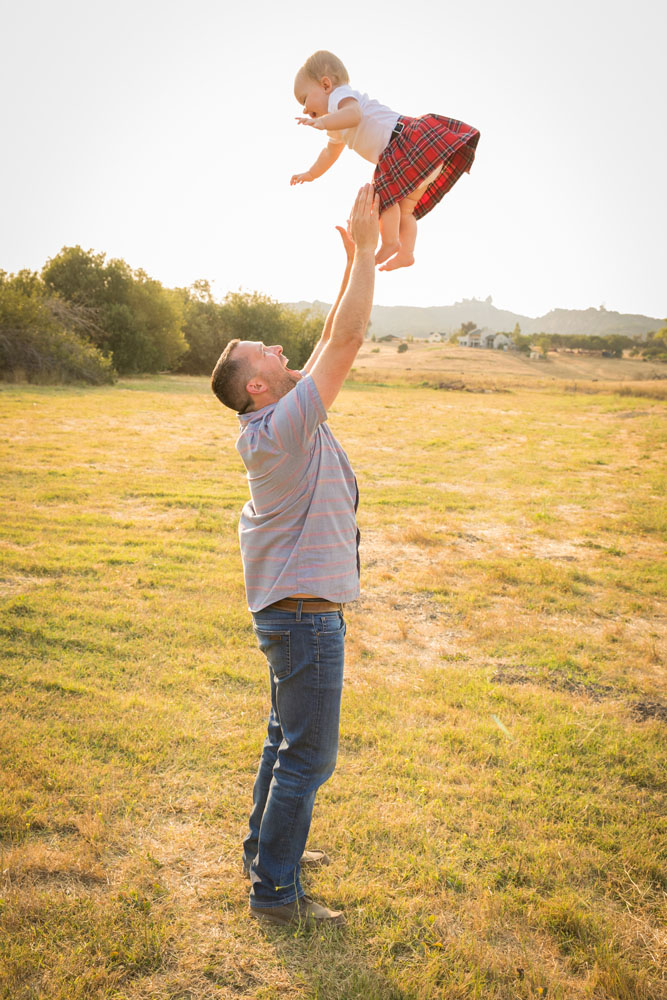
(368, 199)
(361, 203)
(363, 221)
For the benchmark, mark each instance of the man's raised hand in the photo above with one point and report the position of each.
(365, 219)
(348, 242)
(349, 318)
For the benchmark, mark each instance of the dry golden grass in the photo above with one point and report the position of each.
(447, 366)
(496, 820)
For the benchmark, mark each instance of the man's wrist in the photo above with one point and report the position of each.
(364, 251)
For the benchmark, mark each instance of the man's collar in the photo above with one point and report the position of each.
(247, 418)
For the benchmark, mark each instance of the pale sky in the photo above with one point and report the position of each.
(164, 133)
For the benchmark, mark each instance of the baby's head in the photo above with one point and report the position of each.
(321, 64)
(322, 73)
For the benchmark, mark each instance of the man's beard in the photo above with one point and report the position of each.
(284, 383)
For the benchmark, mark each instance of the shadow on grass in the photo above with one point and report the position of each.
(331, 963)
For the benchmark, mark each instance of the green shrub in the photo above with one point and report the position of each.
(39, 338)
(138, 322)
(209, 326)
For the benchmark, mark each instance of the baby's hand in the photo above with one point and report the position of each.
(302, 178)
(313, 122)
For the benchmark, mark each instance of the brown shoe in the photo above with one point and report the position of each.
(309, 859)
(303, 910)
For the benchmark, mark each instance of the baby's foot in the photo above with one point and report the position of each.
(386, 251)
(402, 259)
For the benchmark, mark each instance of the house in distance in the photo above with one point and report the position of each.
(487, 339)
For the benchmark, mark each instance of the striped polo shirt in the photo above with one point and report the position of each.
(298, 531)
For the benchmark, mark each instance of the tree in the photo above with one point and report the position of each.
(655, 346)
(543, 342)
(209, 327)
(138, 321)
(41, 336)
(521, 342)
(204, 329)
(301, 331)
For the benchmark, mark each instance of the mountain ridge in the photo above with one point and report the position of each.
(420, 321)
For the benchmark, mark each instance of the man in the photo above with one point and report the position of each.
(299, 545)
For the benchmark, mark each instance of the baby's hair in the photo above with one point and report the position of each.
(323, 63)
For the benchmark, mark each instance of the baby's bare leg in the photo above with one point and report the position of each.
(390, 221)
(404, 256)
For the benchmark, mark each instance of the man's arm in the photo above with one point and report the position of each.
(351, 318)
(348, 244)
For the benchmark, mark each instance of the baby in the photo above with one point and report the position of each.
(417, 159)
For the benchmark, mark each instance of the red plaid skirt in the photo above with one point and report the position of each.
(414, 154)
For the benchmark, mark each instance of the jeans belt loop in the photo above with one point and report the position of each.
(298, 610)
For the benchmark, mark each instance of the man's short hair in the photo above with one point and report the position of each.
(230, 378)
(323, 63)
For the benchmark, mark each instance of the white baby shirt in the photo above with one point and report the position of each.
(374, 130)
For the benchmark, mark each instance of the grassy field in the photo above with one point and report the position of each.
(497, 818)
(460, 367)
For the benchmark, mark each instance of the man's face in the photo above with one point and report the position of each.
(269, 367)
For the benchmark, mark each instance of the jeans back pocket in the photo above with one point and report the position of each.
(275, 644)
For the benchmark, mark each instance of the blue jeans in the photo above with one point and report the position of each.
(306, 656)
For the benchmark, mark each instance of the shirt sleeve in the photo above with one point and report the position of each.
(339, 94)
(297, 416)
(335, 97)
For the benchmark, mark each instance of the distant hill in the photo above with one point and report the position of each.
(413, 321)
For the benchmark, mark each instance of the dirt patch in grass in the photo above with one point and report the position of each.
(555, 682)
(644, 710)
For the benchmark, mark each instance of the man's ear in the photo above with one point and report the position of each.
(255, 386)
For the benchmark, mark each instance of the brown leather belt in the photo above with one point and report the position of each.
(398, 128)
(309, 605)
